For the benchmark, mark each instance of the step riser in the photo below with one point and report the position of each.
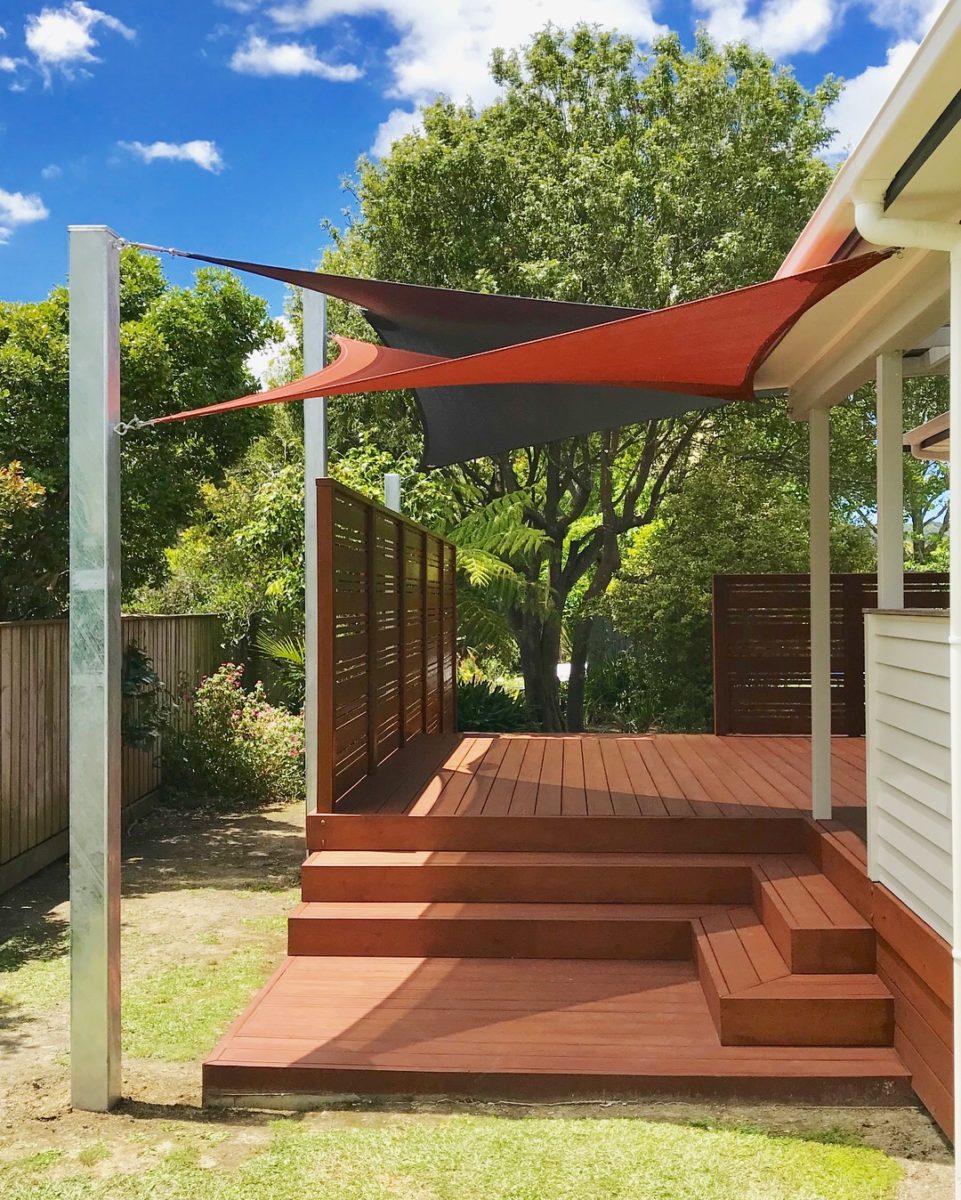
(465, 938)
(847, 1021)
(645, 835)
(529, 885)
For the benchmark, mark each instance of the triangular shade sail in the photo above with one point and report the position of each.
(496, 372)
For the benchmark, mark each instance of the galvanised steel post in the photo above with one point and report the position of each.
(95, 668)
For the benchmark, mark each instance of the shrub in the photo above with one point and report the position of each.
(239, 750)
(483, 707)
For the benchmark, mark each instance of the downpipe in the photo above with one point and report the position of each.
(881, 230)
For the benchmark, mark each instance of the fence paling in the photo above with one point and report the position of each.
(762, 678)
(387, 637)
(34, 800)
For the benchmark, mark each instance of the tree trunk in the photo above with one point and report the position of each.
(540, 647)
(575, 689)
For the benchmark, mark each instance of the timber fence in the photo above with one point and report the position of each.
(34, 669)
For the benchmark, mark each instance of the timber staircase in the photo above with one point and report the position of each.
(454, 968)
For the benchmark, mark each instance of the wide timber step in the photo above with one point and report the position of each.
(449, 930)
(552, 878)
(523, 1028)
(786, 834)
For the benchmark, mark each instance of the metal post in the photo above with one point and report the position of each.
(954, 667)
(95, 668)
(315, 467)
(392, 496)
(819, 431)
(890, 459)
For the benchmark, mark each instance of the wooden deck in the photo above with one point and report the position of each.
(661, 775)
(602, 915)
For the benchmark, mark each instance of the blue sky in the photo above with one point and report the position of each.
(226, 126)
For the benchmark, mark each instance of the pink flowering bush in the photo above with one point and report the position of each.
(239, 751)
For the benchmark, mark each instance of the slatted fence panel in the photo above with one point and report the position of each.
(34, 726)
(762, 646)
(387, 620)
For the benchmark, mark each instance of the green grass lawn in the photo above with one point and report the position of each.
(479, 1158)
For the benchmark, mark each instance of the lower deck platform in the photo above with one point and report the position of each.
(529, 1029)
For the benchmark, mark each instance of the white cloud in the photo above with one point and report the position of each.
(62, 38)
(445, 45)
(51, 171)
(398, 122)
(257, 56)
(18, 209)
(780, 27)
(863, 96)
(907, 18)
(203, 154)
(8, 64)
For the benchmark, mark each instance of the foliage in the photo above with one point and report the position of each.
(18, 495)
(180, 348)
(484, 707)
(239, 751)
(146, 707)
(289, 652)
(598, 175)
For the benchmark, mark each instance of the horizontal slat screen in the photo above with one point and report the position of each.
(387, 637)
(762, 647)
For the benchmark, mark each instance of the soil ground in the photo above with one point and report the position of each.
(205, 897)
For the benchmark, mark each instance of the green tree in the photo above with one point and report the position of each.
(599, 175)
(180, 348)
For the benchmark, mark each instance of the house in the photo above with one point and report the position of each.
(670, 914)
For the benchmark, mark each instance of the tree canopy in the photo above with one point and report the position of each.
(180, 347)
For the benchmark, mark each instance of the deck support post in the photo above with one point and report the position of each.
(95, 667)
(819, 433)
(315, 467)
(890, 476)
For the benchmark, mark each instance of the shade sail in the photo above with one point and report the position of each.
(495, 372)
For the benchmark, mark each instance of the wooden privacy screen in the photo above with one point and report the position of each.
(387, 624)
(762, 646)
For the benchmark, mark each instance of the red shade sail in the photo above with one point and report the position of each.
(707, 351)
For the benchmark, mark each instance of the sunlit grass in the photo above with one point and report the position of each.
(492, 1158)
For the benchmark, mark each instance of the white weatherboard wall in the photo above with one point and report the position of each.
(908, 760)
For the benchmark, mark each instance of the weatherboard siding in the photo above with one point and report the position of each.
(908, 761)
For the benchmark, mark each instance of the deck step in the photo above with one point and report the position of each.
(813, 926)
(637, 835)
(523, 1028)
(445, 930)
(549, 878)
(756, 1000)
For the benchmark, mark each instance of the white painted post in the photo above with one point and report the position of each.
(95, 668)
(890, 475)
(315, 467)
(392, 494)
(954, 667)
(819, 432)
